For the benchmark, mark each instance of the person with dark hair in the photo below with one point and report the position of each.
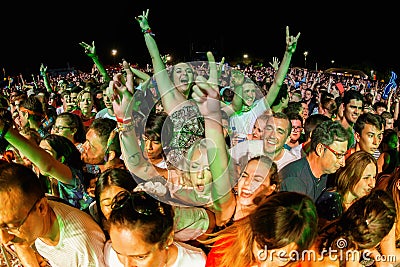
(309, 125)
(156, 139)
(31, 114)
(297, 131)
(285, 221)
(327, 105)
(309, 174)
(102, 147)
(379, 107)
(63, 235)
(143, 226)
(107, 111)
(388, 160)
(57, 158)
(353, 238)
(70, 126)
(352, 106)
(368, 132)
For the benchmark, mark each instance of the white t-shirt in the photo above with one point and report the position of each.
(242, 123)
(244, 151)
(187, 256)
(81, 239)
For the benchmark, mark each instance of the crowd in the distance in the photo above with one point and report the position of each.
(198, 164)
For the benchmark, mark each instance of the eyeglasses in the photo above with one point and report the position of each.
(297, 129)
(16, 228)
(337, 154)
(141, 202)
(59, 128)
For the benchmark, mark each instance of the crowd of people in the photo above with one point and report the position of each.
(198, 163)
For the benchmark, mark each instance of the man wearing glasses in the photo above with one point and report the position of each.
(309, 174)
(60, 233)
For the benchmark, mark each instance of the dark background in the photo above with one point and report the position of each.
(361, 36)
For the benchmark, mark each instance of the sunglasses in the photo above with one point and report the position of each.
(141, 202)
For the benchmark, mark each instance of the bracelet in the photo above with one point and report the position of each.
(124, 121)
(5, 130)
(125, 127)
(148, 31)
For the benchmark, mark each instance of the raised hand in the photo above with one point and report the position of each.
(206, 92)
(120, 90)
(275, 63)
(90, 50)
(43, 69)
(143, 20)
(291, 41)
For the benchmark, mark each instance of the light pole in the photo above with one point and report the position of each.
(114, 53)
(305, 58)
(333, 61)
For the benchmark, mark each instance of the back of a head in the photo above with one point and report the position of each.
(368, 220)
(328, 132)
(283, 218)
(312, 121)
(34, 107)
(14, 176)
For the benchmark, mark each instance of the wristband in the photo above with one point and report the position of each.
(123, 121)
(148, 31)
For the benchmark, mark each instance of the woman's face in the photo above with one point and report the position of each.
(183, 77)
(62, 128)
(133, 250)
(199, 170)
(106, 197)
(367, 182)
(258, 129)
(152, 148)
(253, 182)
(86, 104)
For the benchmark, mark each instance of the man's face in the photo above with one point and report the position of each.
(275, 135)
(21, 217)
(307, 95)
(352, 110)
(330, 163)
(389, 124)
(93, 150)
(249, 93)
(369, 139)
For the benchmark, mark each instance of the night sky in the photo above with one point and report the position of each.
(49, 33)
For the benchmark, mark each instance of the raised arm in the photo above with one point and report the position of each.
(121, 90)
(90, 50)
(291, 44)
(43, 73)
(46, 163)
(206, 94)
(170, 96)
